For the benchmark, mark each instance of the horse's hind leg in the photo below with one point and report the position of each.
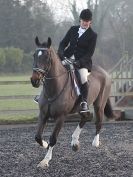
(99, 112)
(76, 133)
(53, 138)
(41, 124)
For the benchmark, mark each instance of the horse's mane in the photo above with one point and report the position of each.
(54, 54)
(56, 58)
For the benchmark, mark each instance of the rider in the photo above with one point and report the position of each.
(79, 43)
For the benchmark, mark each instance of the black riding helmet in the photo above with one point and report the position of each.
(86, 14)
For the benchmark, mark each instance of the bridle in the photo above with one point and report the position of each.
(46, 70)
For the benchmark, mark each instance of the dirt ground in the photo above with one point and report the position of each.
(19, 154)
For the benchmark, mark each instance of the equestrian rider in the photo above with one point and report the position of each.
(79, 43)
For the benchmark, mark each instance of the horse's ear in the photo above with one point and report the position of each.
(37, 41)
(49, 42)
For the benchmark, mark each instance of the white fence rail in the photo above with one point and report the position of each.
(122, 79)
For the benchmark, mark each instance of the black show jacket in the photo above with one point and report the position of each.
(82, 48)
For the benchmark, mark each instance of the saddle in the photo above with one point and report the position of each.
(70, 65)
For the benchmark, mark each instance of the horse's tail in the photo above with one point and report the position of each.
(108, 111)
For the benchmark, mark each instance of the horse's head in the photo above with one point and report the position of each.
(42, 61)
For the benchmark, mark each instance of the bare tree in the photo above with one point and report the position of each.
(121, 20)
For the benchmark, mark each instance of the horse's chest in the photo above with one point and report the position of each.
(58, 108)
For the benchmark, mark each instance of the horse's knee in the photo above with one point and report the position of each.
(38, 140)
(99, 113)
(99, 110)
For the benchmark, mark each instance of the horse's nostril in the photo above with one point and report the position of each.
(35, 83)
(32, 81)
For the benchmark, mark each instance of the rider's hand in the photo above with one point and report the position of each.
(66, 61)
(63, 61)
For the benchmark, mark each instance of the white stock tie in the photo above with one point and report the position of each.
(81, 31)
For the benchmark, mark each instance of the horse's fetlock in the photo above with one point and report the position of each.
(52, 141)
(39, 140)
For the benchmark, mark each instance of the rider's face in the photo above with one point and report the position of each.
(85, 23)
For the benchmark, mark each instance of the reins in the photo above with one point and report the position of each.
(55, 77)
(45, 73)
(52, 99)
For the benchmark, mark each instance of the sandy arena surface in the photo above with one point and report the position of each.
(19, 154)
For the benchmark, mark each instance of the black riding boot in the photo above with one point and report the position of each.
(36, 98)
(84, 92)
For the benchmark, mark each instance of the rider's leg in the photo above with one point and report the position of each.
(84, 89)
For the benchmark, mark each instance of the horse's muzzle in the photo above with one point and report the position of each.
(35, 83)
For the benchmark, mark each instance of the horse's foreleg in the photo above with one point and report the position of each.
(41, 124)
(99, 117)
(53, 138)
(76, 134)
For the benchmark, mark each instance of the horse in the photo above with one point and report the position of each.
(58, 97)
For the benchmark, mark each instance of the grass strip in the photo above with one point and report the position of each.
(18, 118)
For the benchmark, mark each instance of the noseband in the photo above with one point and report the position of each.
(43, 71)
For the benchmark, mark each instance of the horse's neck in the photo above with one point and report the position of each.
(57, 69)
(58, 75)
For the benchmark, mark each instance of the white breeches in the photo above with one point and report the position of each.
(83, 74)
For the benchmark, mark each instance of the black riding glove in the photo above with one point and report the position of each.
(77, 64)
(66, 61)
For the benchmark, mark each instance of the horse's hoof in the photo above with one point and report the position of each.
(75, 147)
(43, 164)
